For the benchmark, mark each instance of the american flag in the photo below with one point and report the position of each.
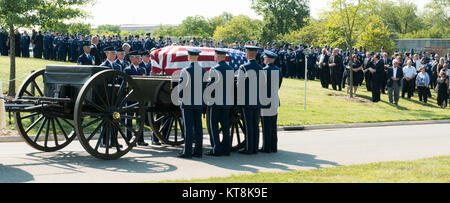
(167, 60)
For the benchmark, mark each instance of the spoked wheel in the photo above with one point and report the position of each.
(168, 127)
(41, 130)
(237, 131)
(108, 115)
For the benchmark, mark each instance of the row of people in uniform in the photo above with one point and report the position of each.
(192, 113)
(220, 114)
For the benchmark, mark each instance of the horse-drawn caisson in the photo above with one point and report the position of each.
(106, 110)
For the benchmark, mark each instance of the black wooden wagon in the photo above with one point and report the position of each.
(105, 109)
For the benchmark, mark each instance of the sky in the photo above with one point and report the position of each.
(172, 12)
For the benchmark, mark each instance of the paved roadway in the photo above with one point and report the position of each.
(298, 151)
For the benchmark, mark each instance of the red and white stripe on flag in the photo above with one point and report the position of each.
(173, 58)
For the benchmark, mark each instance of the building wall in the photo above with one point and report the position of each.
(441, 46)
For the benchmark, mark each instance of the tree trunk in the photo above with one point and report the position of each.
(12, 73)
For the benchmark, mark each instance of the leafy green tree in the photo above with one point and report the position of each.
(196, 26)
(26, 13)
(108, 28)
(171, 31)
(311, 34)
(400, 16)
(281, 16)
(376, 35)
(240, 28)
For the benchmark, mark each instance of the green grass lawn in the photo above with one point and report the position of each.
(322, 108)
(434, 170)
(24, 66)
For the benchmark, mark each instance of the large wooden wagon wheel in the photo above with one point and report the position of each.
(168, 126)
(41, 130)
(109, 115)
(237, 128)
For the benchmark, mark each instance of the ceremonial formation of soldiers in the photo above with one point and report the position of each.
(397, 74)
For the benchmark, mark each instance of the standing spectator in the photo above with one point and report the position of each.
(434, 69)
(18, 43)
(416, 62)
(336, 70)
(38, 45)
(394, 75)
(440, 65)
(357, 74)
(422, 82)
(442, 87)
(408, 80)
(3, 40)
(324, 69)
(377, 78)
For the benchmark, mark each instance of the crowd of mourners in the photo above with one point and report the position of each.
(397, 74)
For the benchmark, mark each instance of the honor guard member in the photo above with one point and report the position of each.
(135, 70)
(250, 107)
(86, 58)
(25, 44)
(111, 55)
(149, 43)
(62, 48)
(269, 116)
(145, 63)
(192, 107)
(219, 109)
(121, 59)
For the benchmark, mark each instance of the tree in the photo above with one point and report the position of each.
(281, 16)
(376, 35)
(24, 13)
(196, 26)
(401, 17)
(311, 34)
(240, 28)
(108, 28)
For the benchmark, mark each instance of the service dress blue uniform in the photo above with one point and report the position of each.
(86, 60)
(192, 112)
(133, 70)
(269, 122)
(25, 45)
(3, 40)
(220, 112)
(251, 111)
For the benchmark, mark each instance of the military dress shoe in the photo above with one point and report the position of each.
(245, 152)
(156, 143)
(197, 155)
(184, 156)
(265, 151)
(211, 153)
(142, 144)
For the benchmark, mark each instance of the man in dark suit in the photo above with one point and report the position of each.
(387, 64)
(325, 76)
(395, 76)
(38, 42)
(95, 51)
(336, 67)
(377, 78)
(367, 74)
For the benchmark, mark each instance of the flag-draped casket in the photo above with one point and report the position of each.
(167, 60)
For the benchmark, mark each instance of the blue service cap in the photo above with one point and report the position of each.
(270, 54)
(86, 43)
(120, 49)
(221, 51)
(109, 49)
(251, 48)
(193, 51)
(135, 53)
(145, 53)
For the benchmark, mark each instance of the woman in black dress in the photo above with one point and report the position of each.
(442, 89)
(358, 74)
